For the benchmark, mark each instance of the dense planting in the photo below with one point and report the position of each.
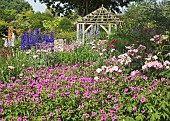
(107, 86)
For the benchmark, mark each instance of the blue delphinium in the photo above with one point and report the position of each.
(52, 37)
(30, 42)
(23, 47)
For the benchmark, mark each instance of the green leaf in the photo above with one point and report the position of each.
(129, 109)
(110, 75)
(140, 117)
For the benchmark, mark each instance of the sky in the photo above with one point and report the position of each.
(37, 6)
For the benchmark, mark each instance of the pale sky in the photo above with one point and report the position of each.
(37, 6)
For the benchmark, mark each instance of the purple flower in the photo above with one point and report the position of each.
(87, 115)
(112, 111)
(42, 117)
(103, 116)
(51, 96)
(114, 117)
(71, 111)
(134, 108)
(86, 94)
(109, 96)
(116, 100)
(1, 110)
(101, 111)
(51, 115)
(116, 107)
(142, 99)
(94, 113)
(58, 119)
(142, 111)
(19, 119)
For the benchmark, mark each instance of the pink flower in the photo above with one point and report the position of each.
(58, 119)
(116, 107)
(134, 108)
(104, 50)
(86, 94)
(103, 116)
(11, 67)
(71, 111)
(93, 114)
(114, 118)
(142, 99)
(1, 110)
(101, 54)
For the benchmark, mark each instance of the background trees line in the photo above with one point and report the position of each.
(139, 15)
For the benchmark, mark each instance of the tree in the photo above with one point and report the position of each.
(10, 8)
(84, 6)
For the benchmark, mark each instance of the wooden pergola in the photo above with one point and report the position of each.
(100, 17)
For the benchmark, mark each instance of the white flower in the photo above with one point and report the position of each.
(35, 56)
(167, 67)
(38, 51)
(155, 57)
(101, 54)
(96, 78)
(152, 39)
(98, 70)
(115, 68)
(104, 50)
(104, 67)
(28, 52)
(112, 50)
(11, 67)
(135, 50)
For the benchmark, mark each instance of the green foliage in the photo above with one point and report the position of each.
(84, 7)
(3, 27)
(9, 9)
(65, 25)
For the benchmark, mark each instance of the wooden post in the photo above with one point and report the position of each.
(83, 33)
(77, 31)
(110, 28)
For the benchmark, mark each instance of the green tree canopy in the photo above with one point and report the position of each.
(84, 6)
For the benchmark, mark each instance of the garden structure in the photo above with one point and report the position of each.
(88, 26)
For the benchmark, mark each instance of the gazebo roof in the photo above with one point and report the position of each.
(101, 15)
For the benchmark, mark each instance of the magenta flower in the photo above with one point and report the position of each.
(51, 96)
(71, 111)
(42, 117)
(116, 107)
(94, 113)
(87, 115)
(51, 115)
(114, 118)
(142, 111)
(109, 96)
(86, 94)
(101, 111)
(1, 103)
(1, 110)
(134, 108)
(142, 99)
(116, 100)
(103, 116)
(19, 119)
(58, 119)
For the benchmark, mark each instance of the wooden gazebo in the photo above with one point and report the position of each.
(101, 18)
